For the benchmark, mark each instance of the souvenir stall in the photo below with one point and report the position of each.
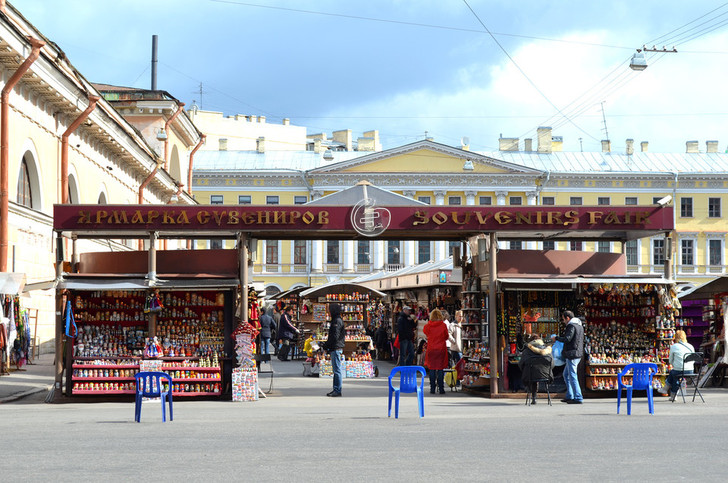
(15, 334)
(357, 303)
(627, 318)
(114, 322)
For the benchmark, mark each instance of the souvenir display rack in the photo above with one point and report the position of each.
(114, 325)
(692, 322)
(475, 313)
(353, 311)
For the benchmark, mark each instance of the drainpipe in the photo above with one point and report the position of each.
(141, 192)
(92, 100)
(166, 129)
(35, 46)
(189, 171)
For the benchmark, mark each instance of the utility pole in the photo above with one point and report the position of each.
(200, 92)
(604, 120)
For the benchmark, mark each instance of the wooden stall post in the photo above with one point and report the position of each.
(243, 264)
(58, 384)
(492, 321)
(152, 278)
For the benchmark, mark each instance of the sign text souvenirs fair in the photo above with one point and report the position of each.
(336, 218)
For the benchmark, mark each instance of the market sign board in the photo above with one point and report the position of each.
(434, 220)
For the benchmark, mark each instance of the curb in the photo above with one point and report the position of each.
(23, 394)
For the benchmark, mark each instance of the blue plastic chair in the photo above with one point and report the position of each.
(151, 384)
(642, 374)
(407, 384)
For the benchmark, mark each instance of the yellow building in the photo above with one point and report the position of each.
(64, 142)
(443, 175)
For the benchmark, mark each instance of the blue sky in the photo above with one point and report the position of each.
(406, 67)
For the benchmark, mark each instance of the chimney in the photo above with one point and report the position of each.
(252, 118)
(691, 147)
(222, 144)
(630, 146)
(606, 146)
(365, 144)
(711, 146)
(343, 137)
(528, 145)
(286, 122)
(644, 145)
(557, 144)
(508, 144)
(261, 119)
(317, 145)
(374, 134)
(260, 144)
(544, 139)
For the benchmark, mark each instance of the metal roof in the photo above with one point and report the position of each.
(268, 161)
(362, 190)
(584, 162)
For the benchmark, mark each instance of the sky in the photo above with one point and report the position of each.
(446, 69)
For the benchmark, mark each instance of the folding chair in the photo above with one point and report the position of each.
(692, 376)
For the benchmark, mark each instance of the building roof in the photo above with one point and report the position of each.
(586, 162)
(365, 190)
(268, 161)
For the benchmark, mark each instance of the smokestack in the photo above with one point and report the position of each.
(154, 62)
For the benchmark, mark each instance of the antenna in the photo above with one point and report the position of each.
(200, 92)
(604, 119)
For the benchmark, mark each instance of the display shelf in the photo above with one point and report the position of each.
(102, 378)
(105, 366)
(470, 291)
(100, 392)
(659, 374)
(193, 394)
(192, 380)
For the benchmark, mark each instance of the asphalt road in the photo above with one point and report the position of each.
(298, 434)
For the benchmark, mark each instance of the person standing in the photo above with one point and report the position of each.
(436, 357)
(274, 333)
(406, 333)
(286, 331)
(334, 345)
(573, 340)
(456, 337)
(267, 326)
(678, 351)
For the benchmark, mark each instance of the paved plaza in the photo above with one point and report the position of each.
(298, 434)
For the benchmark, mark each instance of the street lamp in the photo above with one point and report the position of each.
(638, 61)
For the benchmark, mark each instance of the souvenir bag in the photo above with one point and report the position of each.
(71, 328)
(557, 353)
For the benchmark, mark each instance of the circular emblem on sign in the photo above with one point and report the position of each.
(368, 219)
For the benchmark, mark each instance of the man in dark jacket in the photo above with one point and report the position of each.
(287, 332)
(536, 364)
(267, 326)
(406, 332)
(334, 345)
(573, 340)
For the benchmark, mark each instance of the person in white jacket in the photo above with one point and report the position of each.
(678, 351)
(455, 337)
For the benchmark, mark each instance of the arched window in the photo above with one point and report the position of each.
(25, 196)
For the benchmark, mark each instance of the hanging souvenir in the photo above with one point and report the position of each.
(71, 328)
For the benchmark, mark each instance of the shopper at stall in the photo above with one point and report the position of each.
(573, 340)
(334, 345)
(267, 326)
(274, 333)
(436, 358)
(536, 363)
(287, 332)
(678, 351)
(456, 337)
(406, 333)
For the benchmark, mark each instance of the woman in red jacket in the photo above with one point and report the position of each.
(436, 358)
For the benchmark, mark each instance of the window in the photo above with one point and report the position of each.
(515, 201)
(687, 252)
(454, 200)
(655, 199)
(244, 199)
(332, 251)
(632, 252)
(299, 252)
(715, 252)
(393, 252)
(271, 252)
(575, 201)
(630, 200)
(603, 201)
(299, 200)
(549, 245)
(686, 207)
(424, 199)
(713, 207)
(576, 246)
(423, 251)
(548, 200)
(215, 199)
(485, 200)
(451, 247)
(215, 244)
(658, 251)
(604, 247)
(24, 196)
(271, 200)
(515, 245)
(362, 252)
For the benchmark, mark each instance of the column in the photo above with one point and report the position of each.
(409, 247)
(317, 246)
(531, 198)
(377, 255)
(348, 254)
(440, 246)
(469, 201)
(500, 200)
